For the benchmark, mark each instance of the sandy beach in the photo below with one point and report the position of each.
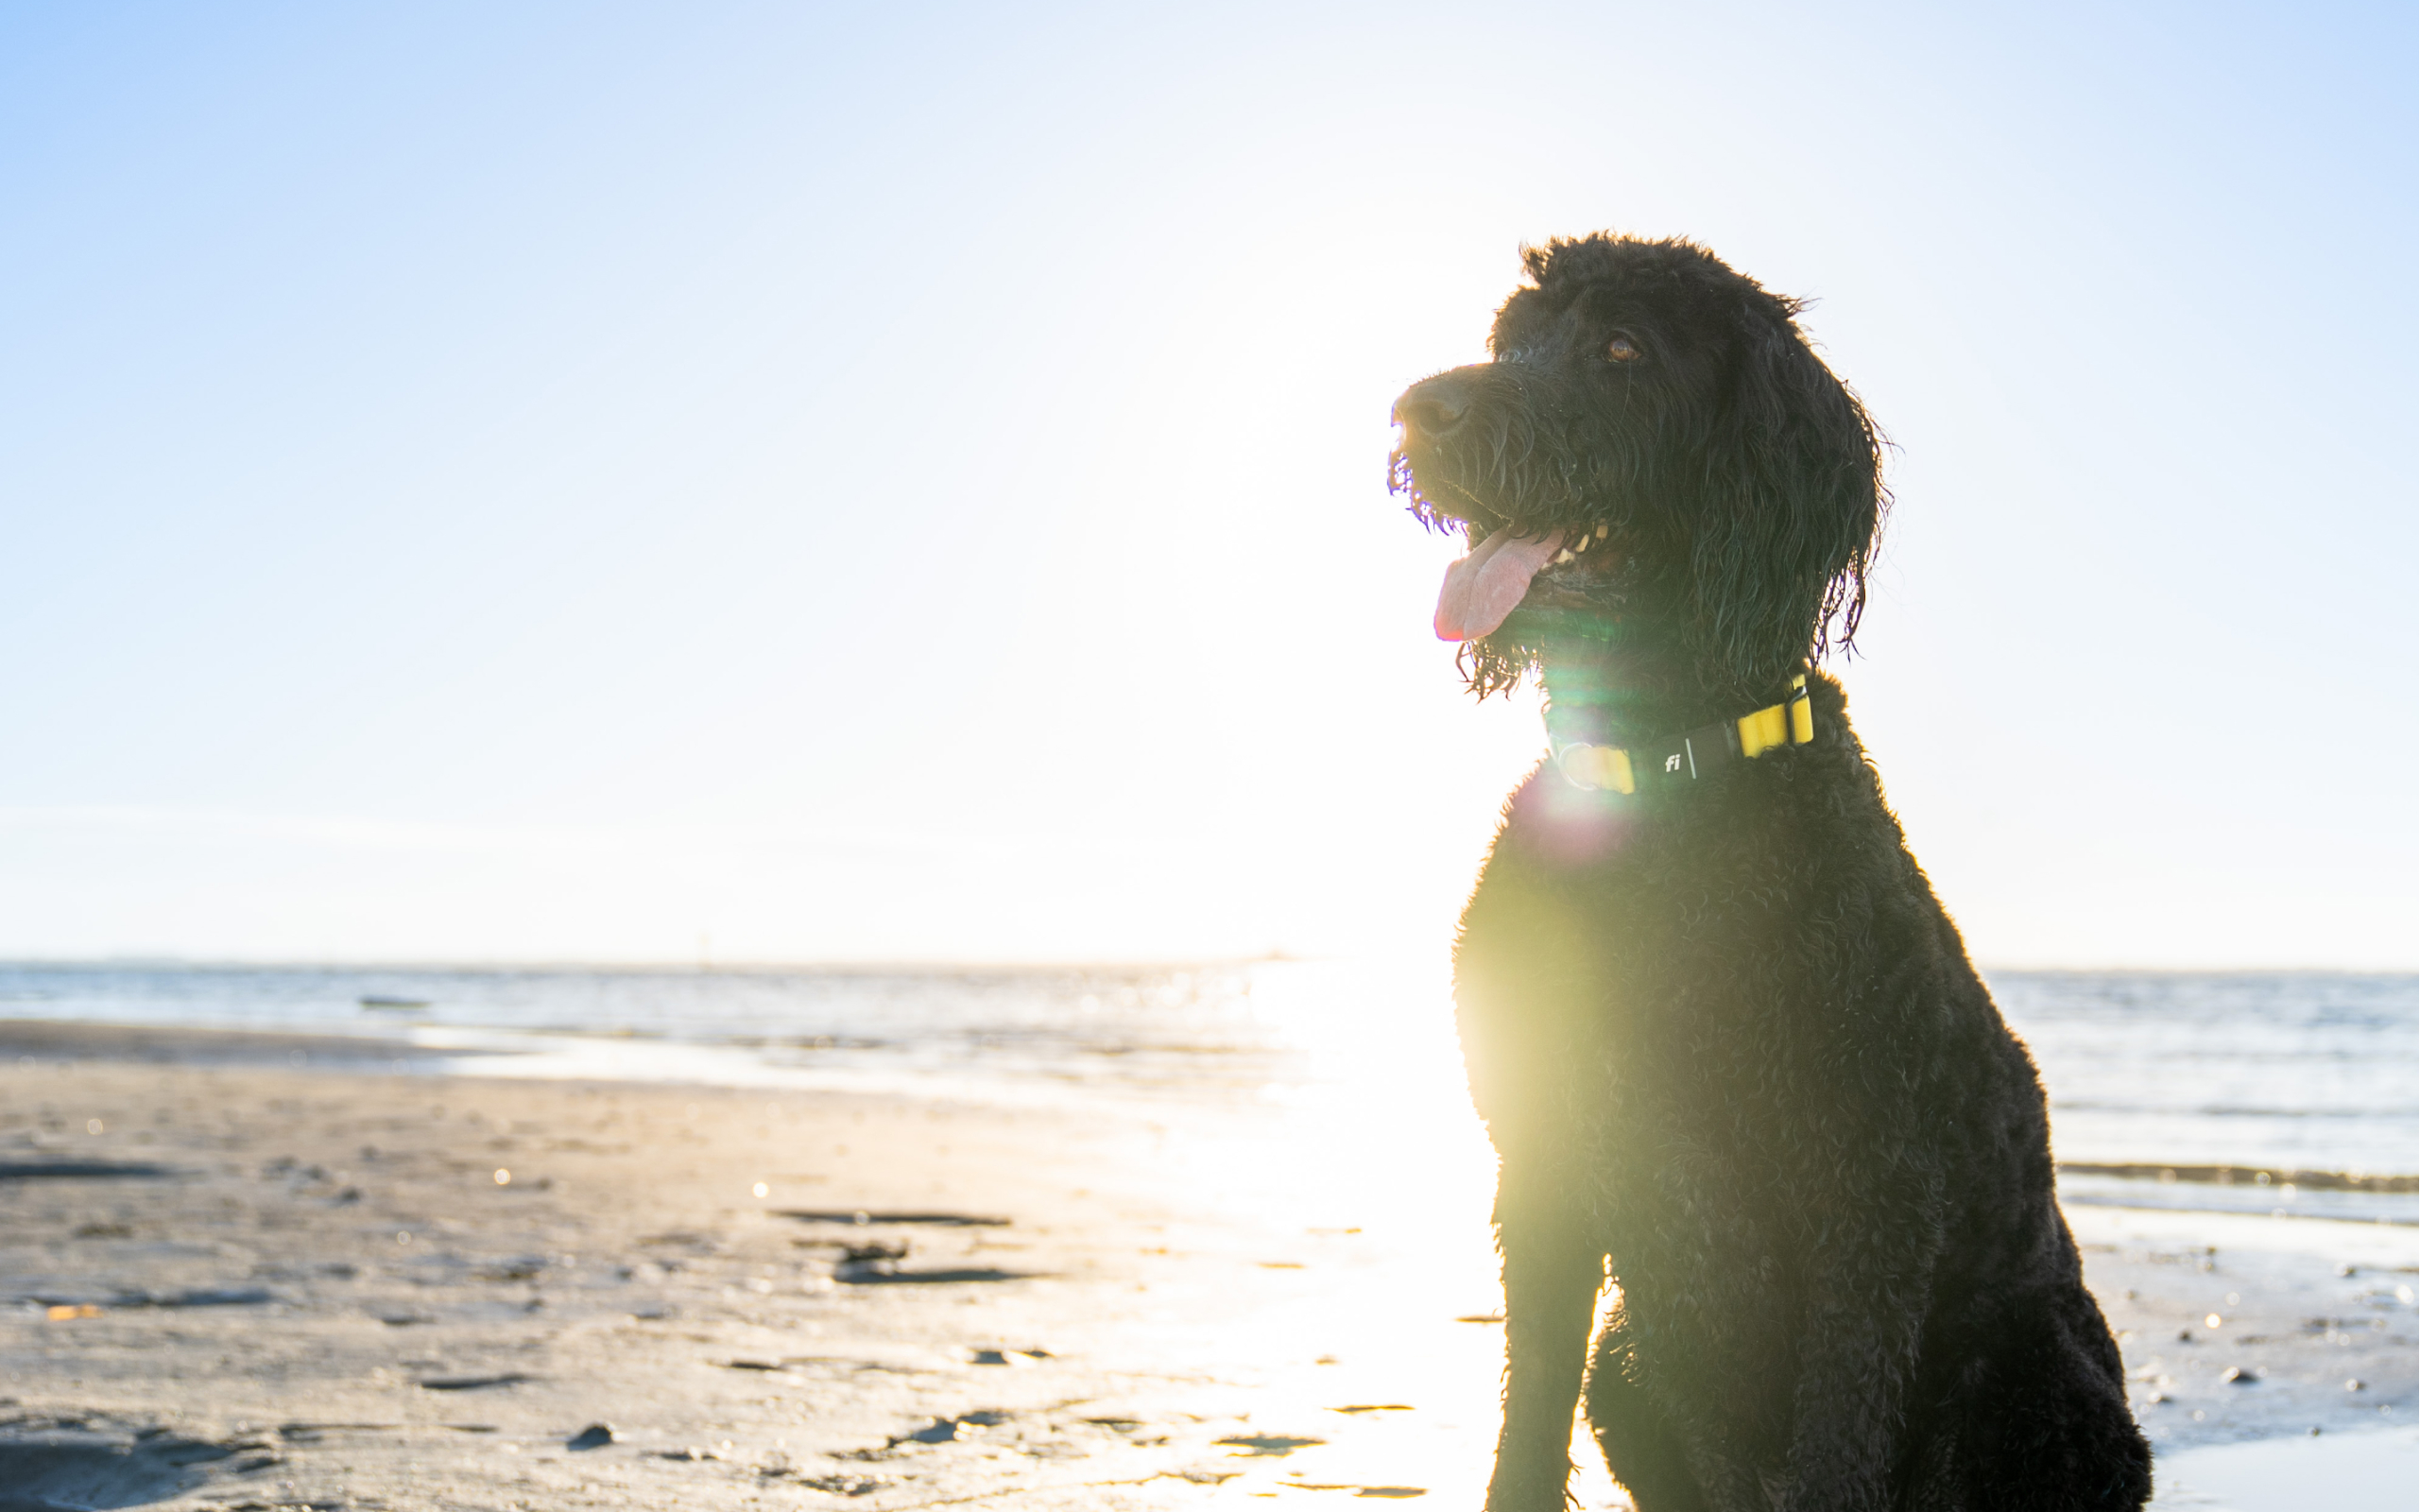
(236, 1283)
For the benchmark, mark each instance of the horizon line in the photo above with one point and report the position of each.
(937, 964)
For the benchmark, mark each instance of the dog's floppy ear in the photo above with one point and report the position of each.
(1792, 503)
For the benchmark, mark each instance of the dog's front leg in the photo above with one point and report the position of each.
(1551, 1278)
(1870, 1287)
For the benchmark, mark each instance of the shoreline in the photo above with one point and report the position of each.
(1179, 1307)
(532, 1054)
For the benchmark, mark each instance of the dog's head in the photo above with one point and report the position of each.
(1654, 467)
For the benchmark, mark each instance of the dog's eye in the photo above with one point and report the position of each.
(1621, 348)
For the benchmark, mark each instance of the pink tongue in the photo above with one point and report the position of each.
(1483, 587)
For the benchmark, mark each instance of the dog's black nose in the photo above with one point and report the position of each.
(1434, 405)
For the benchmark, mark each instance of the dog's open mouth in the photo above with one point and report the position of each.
(1510, 568)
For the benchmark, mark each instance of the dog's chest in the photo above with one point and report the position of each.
(1648, 986)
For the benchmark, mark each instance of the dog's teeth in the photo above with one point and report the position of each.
(1583, 545)
(1562, 558)
(1601, 531)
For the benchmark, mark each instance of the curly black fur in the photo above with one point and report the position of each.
(1725, 453)
(1728, 1044)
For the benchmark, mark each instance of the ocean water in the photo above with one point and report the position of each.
(2296, 1094)
(2294, 1087)
(1209, 1033)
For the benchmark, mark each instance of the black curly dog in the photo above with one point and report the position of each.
(1729, 1045)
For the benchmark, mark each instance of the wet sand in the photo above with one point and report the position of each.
(233, 1283)
(255, 1287)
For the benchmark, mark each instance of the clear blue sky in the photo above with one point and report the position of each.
(836, 483)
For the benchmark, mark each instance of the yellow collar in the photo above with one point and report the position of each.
(1694, 753)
